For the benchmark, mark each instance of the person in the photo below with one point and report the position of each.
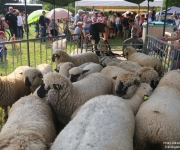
(19, 24)
(78, 17)
(97, 28)
(94, 18)
(135, 30)
(3, 49)
(36, 29)
(101, 18)
(125, 25)
(78, 30)
(11, 20)
(86, 22)
(53, 27)
(118, 24)
(153, 14)
(42, 24)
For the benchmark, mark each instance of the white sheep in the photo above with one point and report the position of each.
(11, 89)
(33, 76)
(65, 97)
(126, 65)
(157, 121)
(144, 60)
(103, 123)
(78, 59)
(78, 73)
(59, 45)
(18, 70)
(29, 126)
(64, 68)
(148, 75)
(105, 60)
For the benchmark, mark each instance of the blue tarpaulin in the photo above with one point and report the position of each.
(172, 9)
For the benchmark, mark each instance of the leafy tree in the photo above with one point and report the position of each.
(171, 3)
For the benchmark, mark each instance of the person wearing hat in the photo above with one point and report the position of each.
(78, 30)
(43, 24)
(3, 49)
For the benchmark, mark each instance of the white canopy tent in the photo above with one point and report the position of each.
(117, 5)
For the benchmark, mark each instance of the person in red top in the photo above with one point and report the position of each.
(101, 18)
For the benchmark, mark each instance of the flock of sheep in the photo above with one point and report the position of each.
(91, 104)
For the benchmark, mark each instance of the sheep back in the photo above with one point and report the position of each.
(94, 127)
(30, 123)
(44, 68)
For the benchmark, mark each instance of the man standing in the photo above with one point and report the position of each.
(78, 17)
(42, 24)
(11, 20)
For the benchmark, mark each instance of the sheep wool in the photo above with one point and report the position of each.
(78, 59)
(103, 123)
(29, 126)
(65, 67)
(157, 121)
(44, 68)
(65, 97)
(144, 60)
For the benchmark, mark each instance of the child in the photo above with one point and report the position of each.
(3, 49)
(36, 29)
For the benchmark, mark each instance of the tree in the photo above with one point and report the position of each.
(171, 3)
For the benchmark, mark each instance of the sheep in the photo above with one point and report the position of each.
(148, 75)
(29, 126)
(157, 121)
(33, 76)
(59, 45)
(126, 65)
(44, 68)
(18, 70)
(11, 89)
(78, 73)
(144, 60)
(65, 97)
(143, 92)
(125, 83)
(105, 60)
(103, 123)
(64, 68)
(78, 59)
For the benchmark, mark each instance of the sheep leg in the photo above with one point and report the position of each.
(5, 113)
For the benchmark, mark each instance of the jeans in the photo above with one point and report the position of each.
(13, 32)
(20, 31)
(43, 33)
(128, 41)
(3, 53)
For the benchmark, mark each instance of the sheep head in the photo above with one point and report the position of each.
(60, 56)
(126, 84)
(128, 51)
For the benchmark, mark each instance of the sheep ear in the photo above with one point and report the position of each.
(114, 77)
(21, 73)
(137, 82)
(57, 86)
(84, 71)
(56, 70)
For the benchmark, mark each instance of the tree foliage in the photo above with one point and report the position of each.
(171, 3)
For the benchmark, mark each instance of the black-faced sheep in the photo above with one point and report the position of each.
(103, 123)
(78, 73)
(61, 56)
(157, 121)
(29, 126)
(65, 97)
(144, 60)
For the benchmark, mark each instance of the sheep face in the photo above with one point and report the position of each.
(32, 78)
(144, 90)
(128, 51)
(60, 56)
(126, 84)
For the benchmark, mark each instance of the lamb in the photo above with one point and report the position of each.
(19, 70)
(59, 45)
(64, 68)
(33, 76)
(61, 56)
(157, 121)
(144, 60)
(125, 83)
(65, 97)
(105, 60)
(78, 73)
(126, 65)
(148, 75)
(11, 89)
(94, 127)
(29, 126)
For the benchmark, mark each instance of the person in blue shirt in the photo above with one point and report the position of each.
(43, 24)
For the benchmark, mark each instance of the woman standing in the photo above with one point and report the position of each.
(19, 24)
(53, 27)
(118, 24)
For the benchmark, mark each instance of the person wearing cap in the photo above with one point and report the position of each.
(78, 30)
(11, 20)
(42, 24)
(78, 17)
(3, 49)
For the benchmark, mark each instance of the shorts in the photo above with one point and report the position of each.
(86, 29)
(118, 27)
(13, 32)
